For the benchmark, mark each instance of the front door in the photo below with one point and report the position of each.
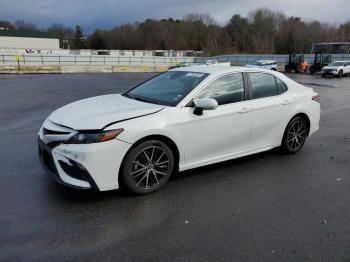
(220, 132)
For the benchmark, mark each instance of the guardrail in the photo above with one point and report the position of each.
(38, 60)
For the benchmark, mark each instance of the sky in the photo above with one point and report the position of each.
(105, 14)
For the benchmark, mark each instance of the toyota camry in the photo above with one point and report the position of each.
(181, 119)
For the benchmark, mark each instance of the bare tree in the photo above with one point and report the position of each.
(262, 31)
(24, 26)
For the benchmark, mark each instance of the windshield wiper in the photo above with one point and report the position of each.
(133, 97)
(126, 95)
(141, 99)
(146, 100)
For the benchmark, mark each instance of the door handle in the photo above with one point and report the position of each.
(286, 102)
(244, 110)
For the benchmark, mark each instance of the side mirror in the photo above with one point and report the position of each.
(204, 104)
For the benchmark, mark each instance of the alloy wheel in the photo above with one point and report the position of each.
(150, 167)
(296, 135)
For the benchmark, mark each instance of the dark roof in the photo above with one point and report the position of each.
(32, 34)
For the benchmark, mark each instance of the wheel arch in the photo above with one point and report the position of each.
(306, 117)
(174, 148)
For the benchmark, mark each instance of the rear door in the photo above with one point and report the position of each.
(270, 106)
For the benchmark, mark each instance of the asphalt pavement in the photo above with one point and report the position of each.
(265, 207)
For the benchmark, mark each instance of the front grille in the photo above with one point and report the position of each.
(52, 132)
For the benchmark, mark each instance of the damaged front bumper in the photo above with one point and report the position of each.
(86, 166)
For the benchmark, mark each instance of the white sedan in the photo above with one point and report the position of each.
(181, 119)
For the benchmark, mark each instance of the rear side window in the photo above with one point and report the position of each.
(226, 89)
(263, 85)
(281, 87)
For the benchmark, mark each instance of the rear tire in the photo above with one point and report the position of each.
(148, 166)
(294, 136)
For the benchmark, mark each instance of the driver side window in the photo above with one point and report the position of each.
(225, 90)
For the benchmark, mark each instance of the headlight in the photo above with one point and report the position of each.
(93, 137)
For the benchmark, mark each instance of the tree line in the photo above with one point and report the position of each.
(261, 31)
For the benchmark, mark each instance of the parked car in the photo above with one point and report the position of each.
(264, 64)
(184, 118)
(209, 62)
(182, 64)
(336, 68)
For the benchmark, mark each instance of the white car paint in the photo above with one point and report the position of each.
(333, 69)
(264, 64)
(97, 112)
(231, 131)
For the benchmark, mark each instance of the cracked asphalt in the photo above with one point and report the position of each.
(265, 207)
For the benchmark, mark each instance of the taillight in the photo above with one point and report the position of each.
(316, 98)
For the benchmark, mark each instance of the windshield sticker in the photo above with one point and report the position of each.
(194, 74)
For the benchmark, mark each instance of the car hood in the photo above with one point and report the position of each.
(330, 67)
(97, 112)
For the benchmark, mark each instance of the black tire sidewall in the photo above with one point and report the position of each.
(284, 146)
(131, 156)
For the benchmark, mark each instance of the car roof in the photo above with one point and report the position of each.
(218, 69)
(340, 61)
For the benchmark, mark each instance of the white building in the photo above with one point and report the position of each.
(13, 39)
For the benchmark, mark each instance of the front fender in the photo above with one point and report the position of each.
(156, 124)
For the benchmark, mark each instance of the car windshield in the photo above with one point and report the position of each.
(336, 64)
(168, 88)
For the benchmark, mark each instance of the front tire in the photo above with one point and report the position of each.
(148, 167)
(340, 74)
(294, 136)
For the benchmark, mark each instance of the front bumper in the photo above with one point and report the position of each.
(87, 166)
(329, 72)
